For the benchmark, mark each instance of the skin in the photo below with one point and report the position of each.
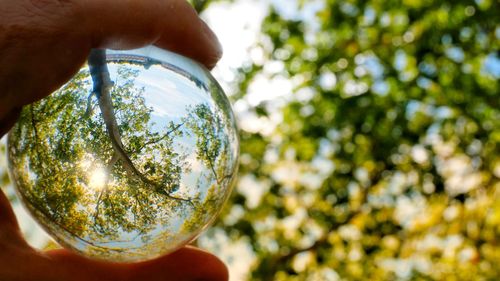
(42, 45)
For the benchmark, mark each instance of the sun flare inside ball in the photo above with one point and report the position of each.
(129, 160)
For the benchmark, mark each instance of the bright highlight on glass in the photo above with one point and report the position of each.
(131, 159)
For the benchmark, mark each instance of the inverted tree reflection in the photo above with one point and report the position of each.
(96, 167)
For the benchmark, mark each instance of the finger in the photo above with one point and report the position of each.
(186, 264)
(8, 121)
(10, 234)
(43, 43)
(170, 24)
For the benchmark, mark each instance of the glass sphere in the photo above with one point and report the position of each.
(129, 160)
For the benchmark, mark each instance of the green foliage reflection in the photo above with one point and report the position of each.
(107, 176)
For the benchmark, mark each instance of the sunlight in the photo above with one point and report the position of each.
(98, 179)
(86, 163)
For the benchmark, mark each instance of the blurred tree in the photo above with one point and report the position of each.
(384, 161)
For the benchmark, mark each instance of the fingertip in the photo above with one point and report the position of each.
(186, 264)
(215, 51)
(173, 25)
(214, 268)
(211, 61)
(185, 33)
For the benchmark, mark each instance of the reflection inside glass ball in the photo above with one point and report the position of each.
(131, 159)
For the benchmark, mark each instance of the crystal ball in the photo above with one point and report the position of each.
(131, 159)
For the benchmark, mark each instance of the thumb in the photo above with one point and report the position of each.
(8, 121)
(10, 234)
(186, 264)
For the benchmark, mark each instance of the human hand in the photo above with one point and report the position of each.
(42, 45)
(20, 262)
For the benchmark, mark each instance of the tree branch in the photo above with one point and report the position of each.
(212, 168)
(102, 89)
(44, 212)
(90, 107)
(167, 134)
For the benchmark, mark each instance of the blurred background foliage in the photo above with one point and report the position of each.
(370, 136)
